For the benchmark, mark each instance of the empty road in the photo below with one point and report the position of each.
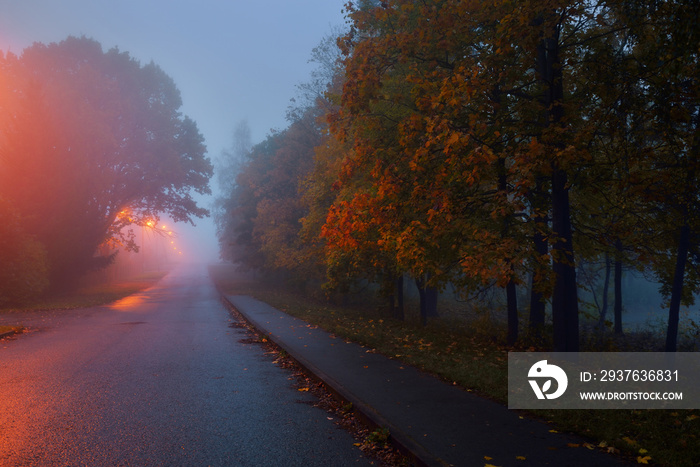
(158, 378)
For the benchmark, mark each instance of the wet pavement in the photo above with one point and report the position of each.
(159, 378)
(440, 424)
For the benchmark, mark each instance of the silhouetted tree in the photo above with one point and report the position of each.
(96, 142)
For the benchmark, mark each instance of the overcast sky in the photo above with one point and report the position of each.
(231, 59)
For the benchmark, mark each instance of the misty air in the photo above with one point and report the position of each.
(349, 233)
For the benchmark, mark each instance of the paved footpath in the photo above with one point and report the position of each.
(440, 424)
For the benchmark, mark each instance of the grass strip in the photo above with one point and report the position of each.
(91, 296)
(10, 329)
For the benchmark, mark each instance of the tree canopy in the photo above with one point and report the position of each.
(92, 142)
(506, 144)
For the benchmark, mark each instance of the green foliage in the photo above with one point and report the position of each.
(379, 437)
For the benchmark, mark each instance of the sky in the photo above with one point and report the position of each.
(232, 60)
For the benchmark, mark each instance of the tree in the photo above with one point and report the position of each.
(96, 142)
(24, 272)
(669, 45)
(647, 145)
(423, 108)
(277, 224)
(228, 166)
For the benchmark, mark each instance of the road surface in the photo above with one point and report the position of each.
(158, 378)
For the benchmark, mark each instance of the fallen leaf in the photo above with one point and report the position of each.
(573, 445)
(303, 389)
(553, 431)
(690, 418)
(487, 458)
(629, 441)
(643, 460)
(589, 446)
(643, 451)
(520, 458)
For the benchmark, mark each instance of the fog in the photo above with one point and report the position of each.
(231, 60)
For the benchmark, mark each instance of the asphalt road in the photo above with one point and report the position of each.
(159, 378)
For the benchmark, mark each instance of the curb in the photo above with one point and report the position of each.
(369, 416)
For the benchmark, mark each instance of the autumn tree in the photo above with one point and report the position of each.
(95, 142)
(274, 206)
(279, 212)
(424, 106)
(488, 144)
(266, 204)
(227, 168)
(471, 116)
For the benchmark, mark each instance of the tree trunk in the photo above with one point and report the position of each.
(537, 298)
(606, 288)
(399, 312)
(677, 289)
(421, 294)
(511, 296)
(565, 294)
(512, 305)
(618, 291)
(431, 300)
(396, 299)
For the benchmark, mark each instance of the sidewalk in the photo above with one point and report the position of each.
(440, 424)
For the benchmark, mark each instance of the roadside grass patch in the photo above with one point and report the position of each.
(91, 296)
(10, 329)
(474, 358)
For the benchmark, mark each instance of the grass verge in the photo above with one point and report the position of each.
(91, 296)
(10, 330)
(472, 358)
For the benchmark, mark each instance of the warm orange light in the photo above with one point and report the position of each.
(149, 223)
(130, 302)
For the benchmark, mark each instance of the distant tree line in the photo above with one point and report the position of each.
(497, 143)
(91, 142)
